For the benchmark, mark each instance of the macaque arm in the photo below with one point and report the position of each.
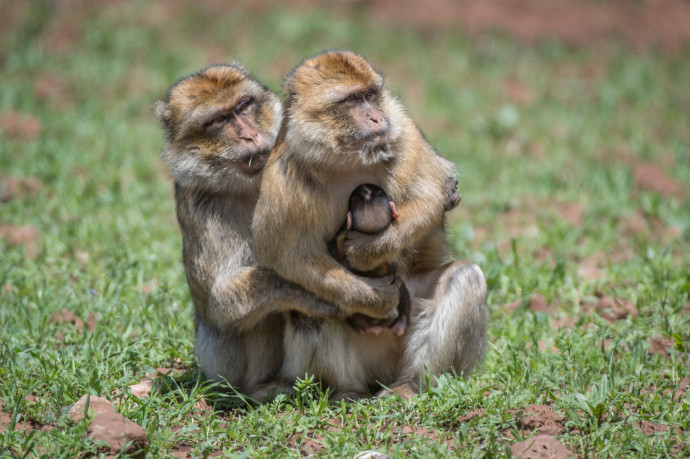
(420, 207)
(290, 234)
(241, 298)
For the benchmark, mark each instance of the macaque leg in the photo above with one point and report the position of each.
(249, 360)
(448, 324)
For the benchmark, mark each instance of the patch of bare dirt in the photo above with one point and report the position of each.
(590, 268)
(16, 125)
(478, 413)
(564, 322)
(544, 345)
(305, 444)
(612, 309)
(652, 177)
(517, 92)
(661, 23)
(651, 428)
(417, 431)
(22, 235)
(536, 303)
(660, 345)
(18, 187)
(540, 447)
(22, 424)
(572, 213)
(540, 418)
(53, 90)
(65, 316)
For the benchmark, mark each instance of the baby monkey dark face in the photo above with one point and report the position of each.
(370, 210)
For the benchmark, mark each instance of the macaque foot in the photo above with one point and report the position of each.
(351, 396)
(405, 391)
(268, 391)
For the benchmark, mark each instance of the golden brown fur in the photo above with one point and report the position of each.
(342, 128)
(220, 124)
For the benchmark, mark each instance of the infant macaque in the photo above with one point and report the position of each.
(371, 211)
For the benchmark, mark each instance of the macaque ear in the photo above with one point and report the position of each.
(162, 111)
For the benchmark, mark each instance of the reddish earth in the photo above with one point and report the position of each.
(652, 177)
(539, 418)
(471, 415)
(660, 345)
(658, 24)
(661, 23)
(540, 447)
(18, 187)
(16, 125)
(536, 303)
(22, 235)
(611, 309)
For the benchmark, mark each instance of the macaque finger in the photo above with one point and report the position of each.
(394, 211)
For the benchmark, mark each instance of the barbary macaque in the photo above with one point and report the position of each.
(220, 124)
(341, 128)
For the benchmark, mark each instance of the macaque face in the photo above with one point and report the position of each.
(234, 129)
(223, 119)
(370, 209)
(364, 125)
(338, 101)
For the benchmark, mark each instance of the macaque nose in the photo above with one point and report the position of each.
(249, 134)
(374, 116)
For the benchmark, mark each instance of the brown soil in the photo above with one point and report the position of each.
(651, 428)
(16, 125)
(658, 24)
(18, 187)
(22, 235)
(660, 345)
(652, 177)
(611, 309)
(471, 415)
(540, 418)
(540, 447)
(661, 23)
(536, 303)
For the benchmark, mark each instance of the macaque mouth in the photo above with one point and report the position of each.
(253, 162)
(374, 135)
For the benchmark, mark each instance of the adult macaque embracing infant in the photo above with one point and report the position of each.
(341, 129)
(280, 289)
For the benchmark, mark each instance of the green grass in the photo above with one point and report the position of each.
(572, 133)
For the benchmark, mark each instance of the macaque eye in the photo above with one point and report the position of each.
(370, 95)
(219, 119)
(243, 104)
(350, 98)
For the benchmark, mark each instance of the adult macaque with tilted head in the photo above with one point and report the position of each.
(342, 128)
(220, 124)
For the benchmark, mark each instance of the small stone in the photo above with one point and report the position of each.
(97, 406)
(142, 390)
(371, 455)
(118, 431)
